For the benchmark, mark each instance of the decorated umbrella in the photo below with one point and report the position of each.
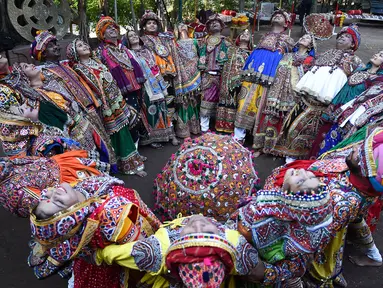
(319, 26)
(207, 175)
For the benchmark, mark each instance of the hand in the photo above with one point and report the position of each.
(257, 274)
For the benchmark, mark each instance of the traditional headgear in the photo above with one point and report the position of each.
(19, 76)
(71, 51)
(102, 24)
(208, 258)
(213, 18)
(38, 46)
(353, 30)
(371, 158)
(201, 257)
(149, 15)
(20, 82)
(284, 14)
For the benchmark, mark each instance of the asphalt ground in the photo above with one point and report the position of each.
(15, 232)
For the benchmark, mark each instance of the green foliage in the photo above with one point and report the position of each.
(93, 10)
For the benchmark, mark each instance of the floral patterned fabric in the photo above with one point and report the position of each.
(207, 175)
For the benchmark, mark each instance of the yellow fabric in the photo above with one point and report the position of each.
(333, 264)
(121, 255)
(248, 104)
(57, 98)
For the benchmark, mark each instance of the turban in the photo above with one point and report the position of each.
(149, 15)
(104, 23)
(213, 18)
(353, 30)
(41, 42)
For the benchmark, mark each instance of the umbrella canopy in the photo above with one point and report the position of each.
(319, 26)
(207, 175)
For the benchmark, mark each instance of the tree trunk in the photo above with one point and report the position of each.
(83, 24)
(104, 7)
(4, 16)
(133, 16)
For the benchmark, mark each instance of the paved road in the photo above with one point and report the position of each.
(14, 232)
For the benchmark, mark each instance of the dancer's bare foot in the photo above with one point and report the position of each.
(156, 145)
(143, 158)
(175, 141)
(363, 260)
(141, 173)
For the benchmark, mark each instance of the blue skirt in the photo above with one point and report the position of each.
(269, 59)
(333, 137)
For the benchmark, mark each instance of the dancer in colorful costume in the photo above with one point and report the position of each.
(281, 98)
(53, 108)
(318, 87)
(288, 228)
(22, 179)
(116, 113)
(333, 67)
(208, 175)
(213, 54)
(194, 251)
(306, 175)
(162, 45)
(259, 70)
(187, 85)
(125, 70)
(63, 85)
(354, 118)
(25, 132)
(361, 80)
(154, 107)
(231, 82)
(158, 44)
(73, 220)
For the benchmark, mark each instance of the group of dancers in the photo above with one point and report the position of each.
(65, 126)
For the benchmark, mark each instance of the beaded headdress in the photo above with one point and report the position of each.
(102, 24)
(353, 30)
(149, 15)
(209, 257)
(71, 52)
(214, 17)
(41, 42)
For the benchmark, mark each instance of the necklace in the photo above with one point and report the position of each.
(212, 42)
(359, 77)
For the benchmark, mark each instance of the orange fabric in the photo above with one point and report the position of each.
(70, 165)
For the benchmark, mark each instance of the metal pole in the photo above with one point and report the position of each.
(115, 11)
